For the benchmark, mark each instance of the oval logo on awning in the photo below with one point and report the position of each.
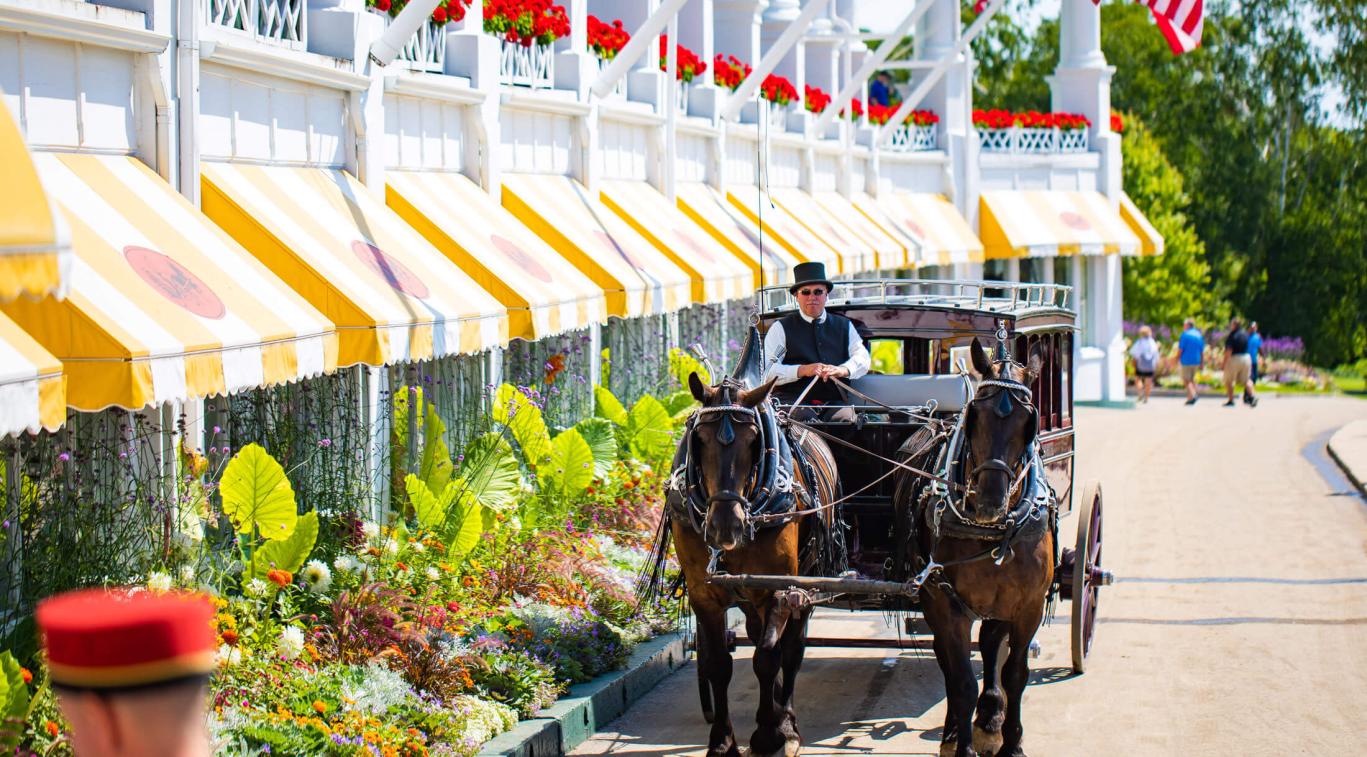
(519, 256)
(1074, 221)
(395, 274)
(616, 249)
(916, 229)
(694, 247)
(175, 282)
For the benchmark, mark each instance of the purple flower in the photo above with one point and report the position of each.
(65, 456)
(324, 443)
(217, 430)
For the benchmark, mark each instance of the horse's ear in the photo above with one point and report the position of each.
(981, 362)
(700, 390)
(1034, 363)
(754, 397)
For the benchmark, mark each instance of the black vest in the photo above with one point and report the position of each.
(825, 342)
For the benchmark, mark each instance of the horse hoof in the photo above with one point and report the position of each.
(951, 749)
(986, 742)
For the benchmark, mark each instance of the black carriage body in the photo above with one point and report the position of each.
(927, 327)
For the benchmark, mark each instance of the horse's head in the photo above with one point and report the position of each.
(726, 448)
(1000, 424)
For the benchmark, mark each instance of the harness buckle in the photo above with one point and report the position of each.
(924, 575)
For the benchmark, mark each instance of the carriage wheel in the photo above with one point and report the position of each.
(1087, 574)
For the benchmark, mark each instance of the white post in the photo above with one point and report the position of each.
(671, 110)
(776, 18)
(641, 41)
(771, 58)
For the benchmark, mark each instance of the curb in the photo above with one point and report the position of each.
(588, 706)
(1343, 466)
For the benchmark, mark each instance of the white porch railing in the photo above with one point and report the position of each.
(778, 116)
(681, 92)
(1032, 141)
(620, 88)
(527, 66)
(426, 50)
(912, 138)
(274, 20)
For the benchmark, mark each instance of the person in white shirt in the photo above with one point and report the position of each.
(813, 344)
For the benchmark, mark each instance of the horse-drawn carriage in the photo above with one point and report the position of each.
(938, 493)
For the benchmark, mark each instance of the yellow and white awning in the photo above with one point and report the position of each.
(878, 218)
(32, 387)
(1150, 240)
(35, 248)
(711, 212)
(717, 276)
(162, 306)
(393, 296)
(544, 294)
(637, 278)
(857, 255)
(892, 253)
(1019, 224)
(778, 226)
(932, 220)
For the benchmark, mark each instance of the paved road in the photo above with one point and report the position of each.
(1240, 625)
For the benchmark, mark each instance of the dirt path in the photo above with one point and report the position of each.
(1238, 625)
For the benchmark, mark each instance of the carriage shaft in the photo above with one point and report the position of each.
(815, 583)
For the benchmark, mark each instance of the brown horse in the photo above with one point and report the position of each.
(723, 533)
(995, 549)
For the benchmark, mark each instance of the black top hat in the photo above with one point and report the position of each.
(809, 273)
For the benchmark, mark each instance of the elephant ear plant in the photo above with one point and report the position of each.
(259, 501)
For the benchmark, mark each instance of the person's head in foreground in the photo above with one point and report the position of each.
(130, 670)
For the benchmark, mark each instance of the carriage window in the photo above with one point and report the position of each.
(887, 355)
(1065, 354)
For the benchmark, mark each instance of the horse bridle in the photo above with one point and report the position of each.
(725, 436)
(1022, 394)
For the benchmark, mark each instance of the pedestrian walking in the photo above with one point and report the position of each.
(1255, 343)
(1145, 354)
(1237, 364)
(1190, 347)
(131, 670)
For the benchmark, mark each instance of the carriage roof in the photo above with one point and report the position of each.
(929, 306)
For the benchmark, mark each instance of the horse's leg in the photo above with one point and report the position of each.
(953, 644)
(1015, 674)
(794, 649)
(714, 667)
(709, 713)
(767, 740)
(987, 726)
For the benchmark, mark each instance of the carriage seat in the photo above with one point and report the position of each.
(910, 391)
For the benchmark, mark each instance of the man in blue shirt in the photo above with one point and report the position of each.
(1190, 347)
(880, 89)
(1255, 340)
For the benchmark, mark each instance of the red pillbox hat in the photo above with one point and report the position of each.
(110, 639)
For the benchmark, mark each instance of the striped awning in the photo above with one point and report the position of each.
(892, 252)
(162, 306)
(637, 278)
(544, 294)
(1150, 241)
(711, 212)
(716, 274)
(857, 256)
(393, 296)
(32, 388)
(1019, 224)
(781, 228)
(35, 248)
(932, 220)
(869, 208)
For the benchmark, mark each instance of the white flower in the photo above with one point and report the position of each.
(391, 546)
(256, 588)
(418, 547)
(291, 643)
(159, 581)
(432, 573)
(345, 563)
(187, 575)
(515, 523)
(378, 689)
(228, 655)
(317, 576)
(371, 530)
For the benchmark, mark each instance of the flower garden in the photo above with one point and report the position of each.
(501, 575)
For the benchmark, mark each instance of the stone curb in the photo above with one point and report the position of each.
(1341, 440)
(588, 706)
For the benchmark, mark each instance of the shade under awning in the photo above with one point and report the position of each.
(1018, 224)
(544, 294)
(393, 296)
(32, 388)
(162, 306)
(857, 255)
(716, 275)
(35, 247)
(1150, 240)
(945, 237)
(781, 228)
(892, 253)
(637, 278)
(707, 208)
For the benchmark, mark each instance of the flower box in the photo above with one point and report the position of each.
(681, 97)
(778, 117)
(1072, 140)
(913, 138)
(996, 140)
(522, 65)
(1034, 140)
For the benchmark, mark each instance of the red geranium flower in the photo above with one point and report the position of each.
(814, 99)
(1117, 123)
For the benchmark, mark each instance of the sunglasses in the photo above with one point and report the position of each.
(811, 292)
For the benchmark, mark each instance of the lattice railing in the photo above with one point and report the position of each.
(426, 49)
(1033, 141)
(913, 138)
(275, 20)
(527, 66)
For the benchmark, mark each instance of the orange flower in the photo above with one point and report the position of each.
(320, 706)
(52, 729)
(26, 674)
(229, 637)
(400, 566)
(281, 578)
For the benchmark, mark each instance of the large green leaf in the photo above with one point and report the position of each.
(489, 472)
(606, 405)
(256, 494)
(602, 440)
(570, 469)
(679, 405)
(649, 430)
(430, 511)
(13, 700)
(435, 468)
(515, 410)
(681, 364)
(289, 554)
(464, 525)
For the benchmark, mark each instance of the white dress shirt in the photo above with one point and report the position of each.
(776, 346)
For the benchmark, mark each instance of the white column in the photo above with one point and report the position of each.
(1013, 270)
(776, 18)
(1046, 271)
(736, 28)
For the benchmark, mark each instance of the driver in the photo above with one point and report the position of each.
(814, 343)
